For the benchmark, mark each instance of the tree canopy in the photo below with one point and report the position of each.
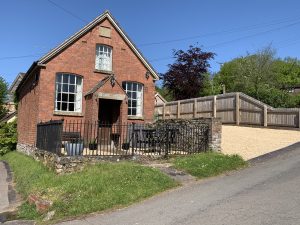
(262, 76)
(186, 76)
(3, 94)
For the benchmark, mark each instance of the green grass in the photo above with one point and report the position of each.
(98, 187)
(208, 164)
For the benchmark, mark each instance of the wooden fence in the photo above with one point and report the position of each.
(233, 108)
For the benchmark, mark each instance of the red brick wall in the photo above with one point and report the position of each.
(79, 58)
(28, 109)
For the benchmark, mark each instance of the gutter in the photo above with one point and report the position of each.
(32, 68)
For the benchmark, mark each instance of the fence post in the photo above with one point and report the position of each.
(265, 116)
(167, 140)
(195, 108)
(178, 109)
(237, 108)
(164, 111)
(215, 106)
(132, 138)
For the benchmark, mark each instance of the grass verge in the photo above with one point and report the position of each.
(208, 164)
(96, 188)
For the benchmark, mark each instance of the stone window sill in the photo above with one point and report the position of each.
(135, 117)
(61, 113)
(103, 71)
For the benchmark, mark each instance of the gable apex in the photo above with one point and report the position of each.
(106, 15)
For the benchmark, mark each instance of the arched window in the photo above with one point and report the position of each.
(103, 58)
(68, 92)
(134, 91)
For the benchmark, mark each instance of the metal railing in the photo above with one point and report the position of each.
(70, 138)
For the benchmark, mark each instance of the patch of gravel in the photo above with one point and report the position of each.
(250, 142)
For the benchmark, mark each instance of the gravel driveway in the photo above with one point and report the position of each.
(250, 142)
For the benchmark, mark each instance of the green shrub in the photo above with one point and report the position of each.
(8, 137)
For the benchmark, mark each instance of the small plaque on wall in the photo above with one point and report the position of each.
(105, 32)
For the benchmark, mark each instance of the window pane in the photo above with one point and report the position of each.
(72, 79)
(140, 87)
(133, 112)
(58, 105)
(71, 107)
(64, 97)
(78, 80)
(64, 106)
(134, 103)
(129, 86)
(58, 78)
(133, 95)
(65, 78)
(72, 88)
(58, 97)
(71, 98)
(65, 87)
(134, 88)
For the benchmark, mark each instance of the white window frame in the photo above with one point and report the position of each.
(67, 88)
(103, 59)
(135, 92)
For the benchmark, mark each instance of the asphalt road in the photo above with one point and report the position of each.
(4, 203)
(268, 192)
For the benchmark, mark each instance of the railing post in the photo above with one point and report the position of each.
(167, 141)
(178, 109)
(215, 106)
(237, 108)
(164, 111)
(265, 116)
(132, 138)
(195, 108)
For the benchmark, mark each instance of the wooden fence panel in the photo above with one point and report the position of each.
(232, 108)
(285, 118)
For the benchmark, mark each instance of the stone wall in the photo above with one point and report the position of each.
(69, 164)
(214, 129)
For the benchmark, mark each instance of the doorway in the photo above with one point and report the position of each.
(109, 117)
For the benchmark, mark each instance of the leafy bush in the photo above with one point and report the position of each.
(8, 137)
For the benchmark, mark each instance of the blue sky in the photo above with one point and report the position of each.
(229, 28)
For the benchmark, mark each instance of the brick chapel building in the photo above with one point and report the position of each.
(97, 74)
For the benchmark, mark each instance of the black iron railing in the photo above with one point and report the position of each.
(97, 139)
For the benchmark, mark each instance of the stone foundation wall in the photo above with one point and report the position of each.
(214, 129)
(69, 164)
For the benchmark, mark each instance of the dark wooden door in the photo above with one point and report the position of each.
(109, 114)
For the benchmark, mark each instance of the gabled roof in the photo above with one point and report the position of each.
(98, 85)
(91, 25)
(8, 116)
(102, 82)
(13, 87)
(161, 97)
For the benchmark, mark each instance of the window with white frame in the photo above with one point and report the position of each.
(135, 98)
(103, 58)
(68, 92)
